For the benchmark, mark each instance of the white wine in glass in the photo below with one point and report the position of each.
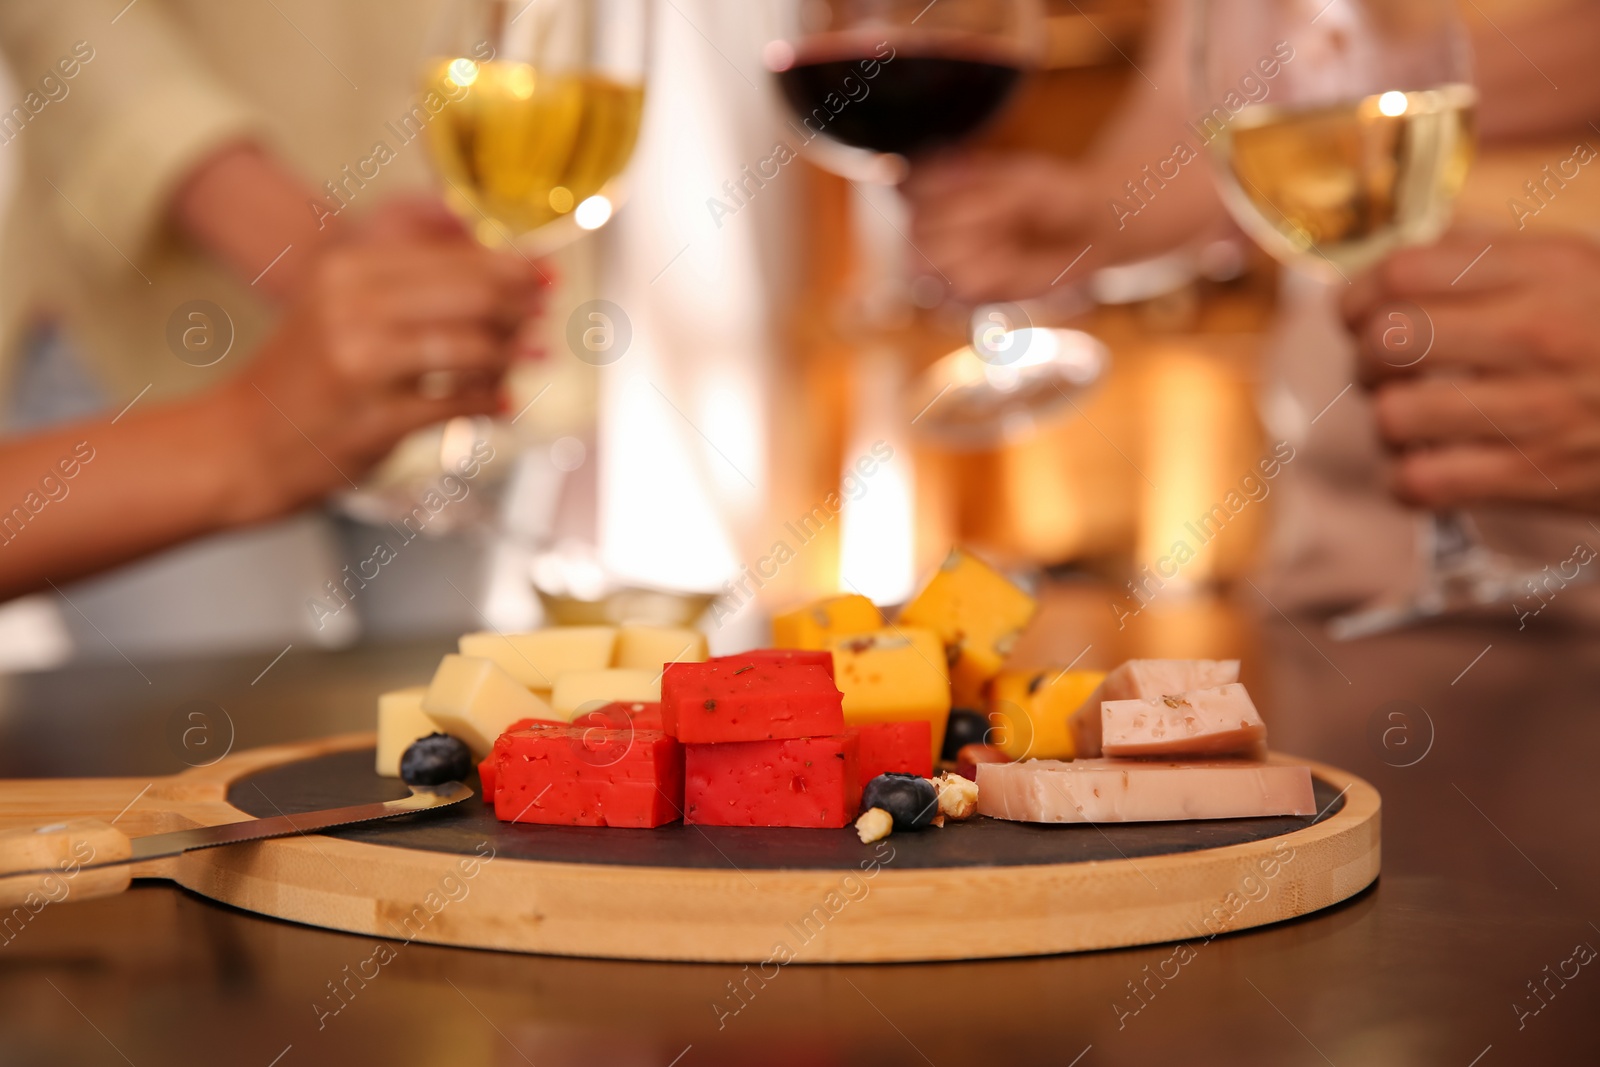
(1348, 183)
(1356, 146)
(544, 102)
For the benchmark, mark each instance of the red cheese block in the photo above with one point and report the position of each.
(722, 701)
(587, 776)
(623, 715)
(906, 747)
(823, 659)
(486, 769)
(804, 781)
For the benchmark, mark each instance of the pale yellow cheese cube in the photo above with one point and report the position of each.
(649, 648)
(580, 691)
(473, 699)
(537, 658)
(401, 721)
(894, 675)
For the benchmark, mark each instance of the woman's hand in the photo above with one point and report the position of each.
(1486, 378)
(404, 323)
(999, 227)
(1010, 226)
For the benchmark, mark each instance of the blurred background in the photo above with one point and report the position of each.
(762, 335)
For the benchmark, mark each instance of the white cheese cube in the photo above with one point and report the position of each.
(401, 721)
(537, 658)
(579, 691)
(475, 700)
(649, 648)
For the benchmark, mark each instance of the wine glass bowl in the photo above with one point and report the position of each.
(1340, 187)
(1357, 141)
(872, 84)
(540, 105)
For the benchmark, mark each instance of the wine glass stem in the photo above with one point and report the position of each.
(1455, 537)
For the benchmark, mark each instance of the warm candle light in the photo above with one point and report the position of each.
(877, 531)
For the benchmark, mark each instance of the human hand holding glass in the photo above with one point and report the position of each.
(1359, 150)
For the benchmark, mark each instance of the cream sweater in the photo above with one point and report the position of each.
(116, 101)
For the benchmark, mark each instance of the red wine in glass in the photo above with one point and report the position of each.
(922, 93)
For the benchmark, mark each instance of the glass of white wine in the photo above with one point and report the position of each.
(529, 110)
(1340, 132)
(541, 107)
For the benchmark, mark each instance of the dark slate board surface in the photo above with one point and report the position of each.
(347, 778)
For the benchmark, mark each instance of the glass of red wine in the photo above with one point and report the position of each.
(875, 86)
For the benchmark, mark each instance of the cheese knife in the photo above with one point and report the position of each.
(87, 858)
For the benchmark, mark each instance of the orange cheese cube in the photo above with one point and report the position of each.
(816, 625)
(1029, 711)
(978, 614)
(894, 675)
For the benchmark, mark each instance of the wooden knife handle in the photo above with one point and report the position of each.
(61, 851)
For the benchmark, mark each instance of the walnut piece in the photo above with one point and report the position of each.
(874, 825)
(958, 796)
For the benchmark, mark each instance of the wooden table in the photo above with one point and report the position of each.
(1491, 868)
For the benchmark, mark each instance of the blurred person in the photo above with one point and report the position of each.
(407, 297)
(175, 151)
(1004, 226)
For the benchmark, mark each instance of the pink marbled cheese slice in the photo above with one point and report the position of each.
(1221, 721)
(1119, 790)
(1141, 679)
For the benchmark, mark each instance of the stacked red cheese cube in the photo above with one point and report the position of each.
(899, 747)
(756, 739)
(764, 740)
(905, 747)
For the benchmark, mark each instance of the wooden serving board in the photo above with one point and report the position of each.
(983, 888)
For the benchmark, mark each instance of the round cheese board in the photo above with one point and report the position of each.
(977, 889)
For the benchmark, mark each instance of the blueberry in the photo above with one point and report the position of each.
(966, 727)
(435, 760)
(909, 799)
